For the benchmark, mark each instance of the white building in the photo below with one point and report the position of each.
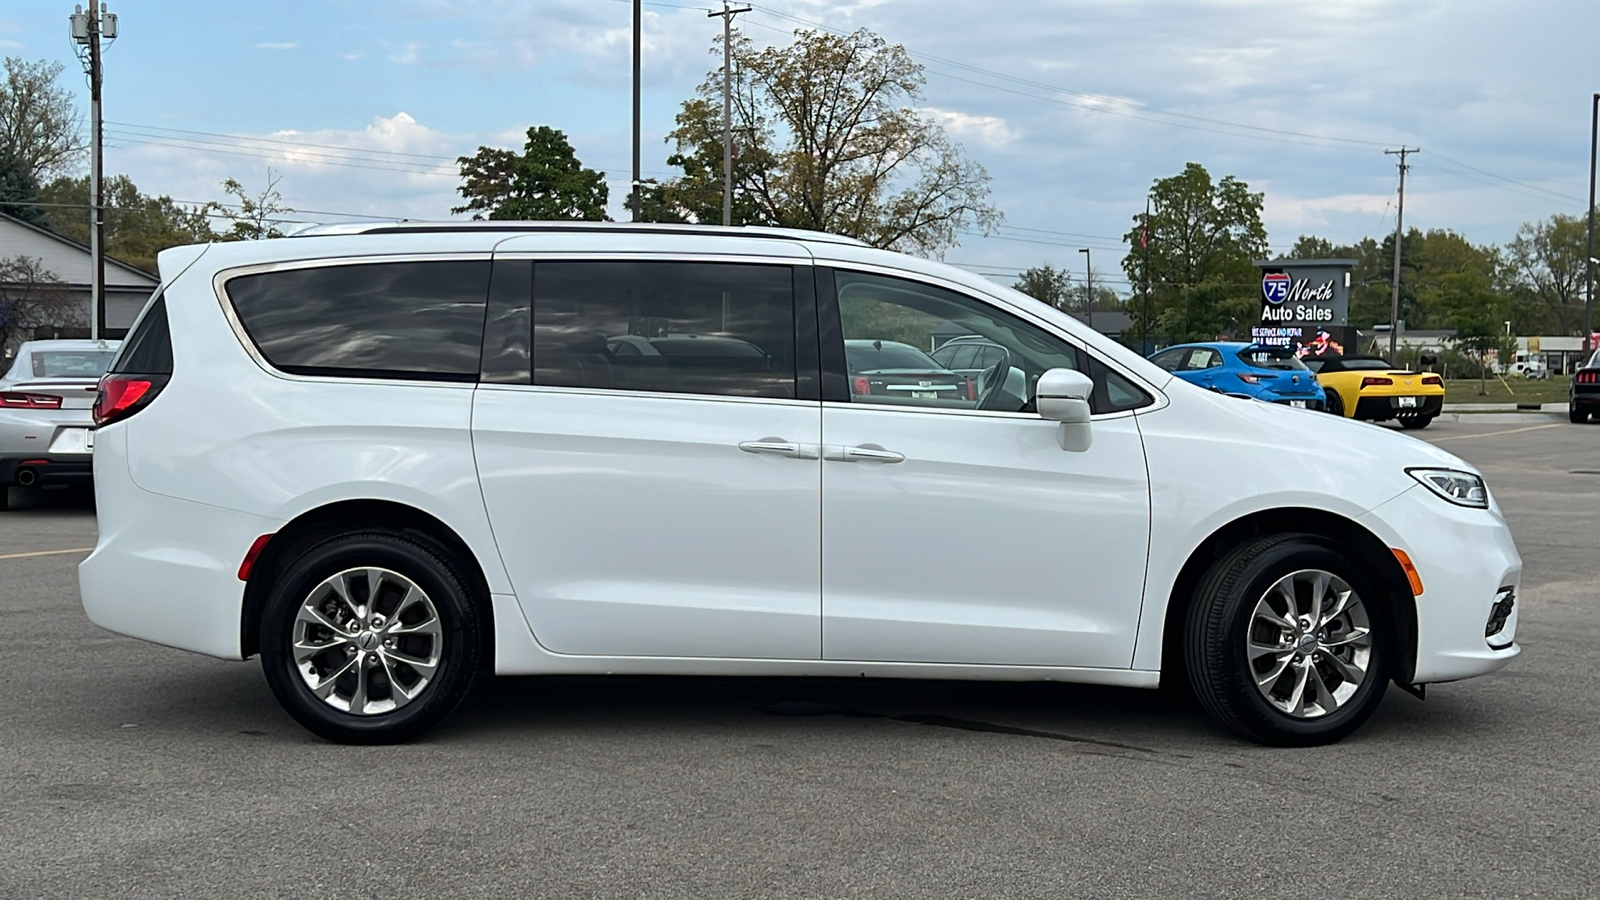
(127, 288)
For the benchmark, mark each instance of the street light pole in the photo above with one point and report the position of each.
(1088, 282)
(638, 38)
(1588, 282)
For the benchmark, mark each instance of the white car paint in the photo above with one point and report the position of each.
(705, 559)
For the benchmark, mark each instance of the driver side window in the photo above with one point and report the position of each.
(896, 332)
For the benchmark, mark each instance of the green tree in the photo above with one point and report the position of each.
(138, 226)
(19, 190)
(38, 122)
(1546, 268)
(828, 141)
(251, 217)
(33, 299)
(1050, 285)
(1478, 313)
(1197, 251)
(545, 181)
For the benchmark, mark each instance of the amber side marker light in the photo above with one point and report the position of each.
(1411, 571)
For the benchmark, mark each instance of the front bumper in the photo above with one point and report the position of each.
(1378, 409)
(1466, 560)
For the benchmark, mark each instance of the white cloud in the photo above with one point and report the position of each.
(1283, 212)
(991, 131)
(277, 45)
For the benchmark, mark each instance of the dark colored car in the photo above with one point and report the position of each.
(893, 369)
(1583, 397)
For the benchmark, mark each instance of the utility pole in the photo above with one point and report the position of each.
(1088, 285)
(1588, 282)
(727, 14)
(638, 38)
(87, 29)
(1399, 221)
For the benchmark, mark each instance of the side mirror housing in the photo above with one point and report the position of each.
(1062, 395)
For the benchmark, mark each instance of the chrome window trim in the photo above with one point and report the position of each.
(222, 277)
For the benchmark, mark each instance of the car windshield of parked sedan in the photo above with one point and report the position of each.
(70, 363)
(1270, 358)
(877, 356)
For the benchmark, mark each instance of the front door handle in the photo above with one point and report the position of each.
(780, 447)
(863, 453)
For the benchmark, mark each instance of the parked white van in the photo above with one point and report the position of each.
(385, 458)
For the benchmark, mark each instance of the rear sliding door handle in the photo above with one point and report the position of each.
(780, 447)
(863, 453)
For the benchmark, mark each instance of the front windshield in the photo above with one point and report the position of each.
(1270, 358)
(70, 363)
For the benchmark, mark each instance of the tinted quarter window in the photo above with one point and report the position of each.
(148, 350)
(379, 320)
(679, 327)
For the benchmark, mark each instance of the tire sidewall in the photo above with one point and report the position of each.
(1262, 720)
(430, 570)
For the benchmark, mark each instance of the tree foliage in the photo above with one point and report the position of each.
(39, 124)
(19, 190)
(828, 142)
(1049, 285)
(33, 299)
(545, 181)
(251, 217)
(1197, 251)
(1546, 268)
(138, 226)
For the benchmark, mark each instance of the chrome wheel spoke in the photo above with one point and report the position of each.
(1311, 626)
(410, 655)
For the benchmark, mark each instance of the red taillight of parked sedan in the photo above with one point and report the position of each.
(1587, 377)
(861, 386)
(1432, 379)
(1375, 381)
(16, 400)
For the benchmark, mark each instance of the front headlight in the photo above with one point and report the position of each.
(1460, 488)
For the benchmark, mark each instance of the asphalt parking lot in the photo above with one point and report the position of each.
(133, 770)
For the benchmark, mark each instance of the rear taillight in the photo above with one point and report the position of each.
(122, 395)
(972, 390)
(1588, 377)
(861, 386)
(15, 400)
(1374, 381)
(1247, 378)
(1432, 379)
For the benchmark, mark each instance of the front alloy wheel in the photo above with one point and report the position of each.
(1286, 641)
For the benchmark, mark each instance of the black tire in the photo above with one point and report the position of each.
(1414, 422)
(1574, 415)
(1218, 631)
(458, 646)
(5, 498)
(1335, 402)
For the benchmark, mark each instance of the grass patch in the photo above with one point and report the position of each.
(1522, 390)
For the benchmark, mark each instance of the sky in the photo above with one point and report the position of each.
(1074, 108)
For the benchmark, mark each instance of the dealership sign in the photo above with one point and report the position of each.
(1305, 304)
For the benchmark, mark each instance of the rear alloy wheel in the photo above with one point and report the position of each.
(1286, 642)
(370, 638)
(1335, 402)
(1413, 422)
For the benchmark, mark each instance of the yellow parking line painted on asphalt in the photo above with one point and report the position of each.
(1462, 437)
(45, 553)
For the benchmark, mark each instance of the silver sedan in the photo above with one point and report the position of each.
(46, 413)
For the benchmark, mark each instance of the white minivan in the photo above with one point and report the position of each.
(386, 457)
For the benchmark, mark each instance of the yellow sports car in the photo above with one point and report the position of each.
(1367, 387)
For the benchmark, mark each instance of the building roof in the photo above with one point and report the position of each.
(67, 259)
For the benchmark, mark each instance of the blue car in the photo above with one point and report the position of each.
(1273, 374)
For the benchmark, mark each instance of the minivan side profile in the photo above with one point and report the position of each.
(385, 458)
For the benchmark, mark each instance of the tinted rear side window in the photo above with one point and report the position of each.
(680, 327)
(148, 350)
(421, 320)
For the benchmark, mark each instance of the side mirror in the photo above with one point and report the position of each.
(1062, 395)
